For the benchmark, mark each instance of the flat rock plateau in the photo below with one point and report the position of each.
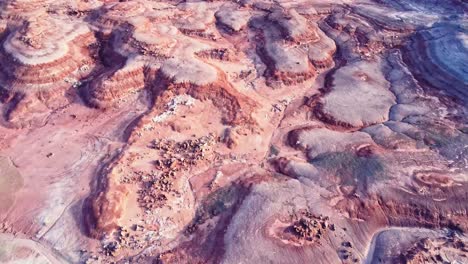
(247, 131)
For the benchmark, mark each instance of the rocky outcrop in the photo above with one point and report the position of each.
(18, 10)
(105, 205)
(198, 21)
(43, 59)
(204, 82)
(110, 87)
(232, 18)
(113, 15)
(418, 246)
(293, 26)
(292, 47)
(359, 96)
(438, 57)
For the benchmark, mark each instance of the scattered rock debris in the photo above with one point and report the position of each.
(309, 227)
(175, 157)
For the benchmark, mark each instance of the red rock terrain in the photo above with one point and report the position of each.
(233, 132)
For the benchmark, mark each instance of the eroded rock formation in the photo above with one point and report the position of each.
(233, 131)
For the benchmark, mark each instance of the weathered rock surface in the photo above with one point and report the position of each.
(359, 96)
(233, 131)
(439, 57)
(41, 60)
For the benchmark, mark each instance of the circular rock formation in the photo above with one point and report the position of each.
(43, 58)
(359, 96)
(112, 15)
(439, 57)
(23, 9)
